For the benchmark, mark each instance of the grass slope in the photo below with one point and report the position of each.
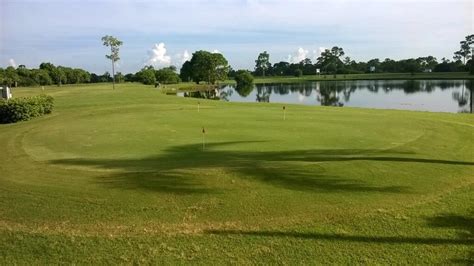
(120, 177)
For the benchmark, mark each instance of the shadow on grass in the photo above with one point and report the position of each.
(463, 224)
(347, 238)
(182, 169)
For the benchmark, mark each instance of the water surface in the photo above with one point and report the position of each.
(421, 95)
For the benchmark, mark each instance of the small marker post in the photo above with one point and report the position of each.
(199, 105)
(284, 112)
(203, 138)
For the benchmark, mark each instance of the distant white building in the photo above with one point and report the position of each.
(372, 69)
(6, 92)
(427, 70)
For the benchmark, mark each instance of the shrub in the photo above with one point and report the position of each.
(243, 78)
(167, 76)
(22, 109)
(298, 73)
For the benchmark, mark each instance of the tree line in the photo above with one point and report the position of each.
(332, 61)
(210, 67)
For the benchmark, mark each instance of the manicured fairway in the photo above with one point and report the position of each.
(121, 177)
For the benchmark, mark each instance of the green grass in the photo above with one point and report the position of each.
(120, 177)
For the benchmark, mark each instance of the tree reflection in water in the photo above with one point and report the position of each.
(338, 93)
(465, 96)
(214, 94)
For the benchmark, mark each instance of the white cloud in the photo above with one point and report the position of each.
(382, 28)
(12, 62)
(180, 58)
(321, 50)
(186, 56)
(158, 57)
(298, 56)
(215, 51)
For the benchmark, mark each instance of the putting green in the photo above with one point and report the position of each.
(128, 166)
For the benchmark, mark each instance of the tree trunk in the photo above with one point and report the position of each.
(113, 75)
(113, 70)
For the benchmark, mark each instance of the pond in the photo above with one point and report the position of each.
(422, 95)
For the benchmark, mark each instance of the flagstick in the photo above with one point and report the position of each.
(199, 104)
(284, 113)
(203, 139)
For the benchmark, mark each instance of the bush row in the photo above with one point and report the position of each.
(22, 109)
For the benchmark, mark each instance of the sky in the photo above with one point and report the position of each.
(167, 32)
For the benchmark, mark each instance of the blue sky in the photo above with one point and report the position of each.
(68, 32)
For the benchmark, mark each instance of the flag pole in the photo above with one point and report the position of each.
(203, 138)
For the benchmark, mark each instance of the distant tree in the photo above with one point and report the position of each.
(129, 77)
(281, 68)
(347, 60)
(11, 76)
(114, 45)
(186, 72)
(41, 77)
(56, 73)
(444, 66)
(71, 76)
(167, 75)
(119, 77)
(83, 75)
(243, 78)
(464, 52)
(388, 65)
(298, 73)
(2, 76)
(146, 75)
(470, 43)
(411, 66)
(374, 63)
(428, 62)
(25, 76)
(47, 66)
(231, 73)
(337, 51)
(262, 63)
(59, 76)
(210, 67)
(330, 60)
(307, 67)
(105, 77)
(306, 61)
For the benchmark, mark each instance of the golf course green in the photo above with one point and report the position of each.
(127, 176)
